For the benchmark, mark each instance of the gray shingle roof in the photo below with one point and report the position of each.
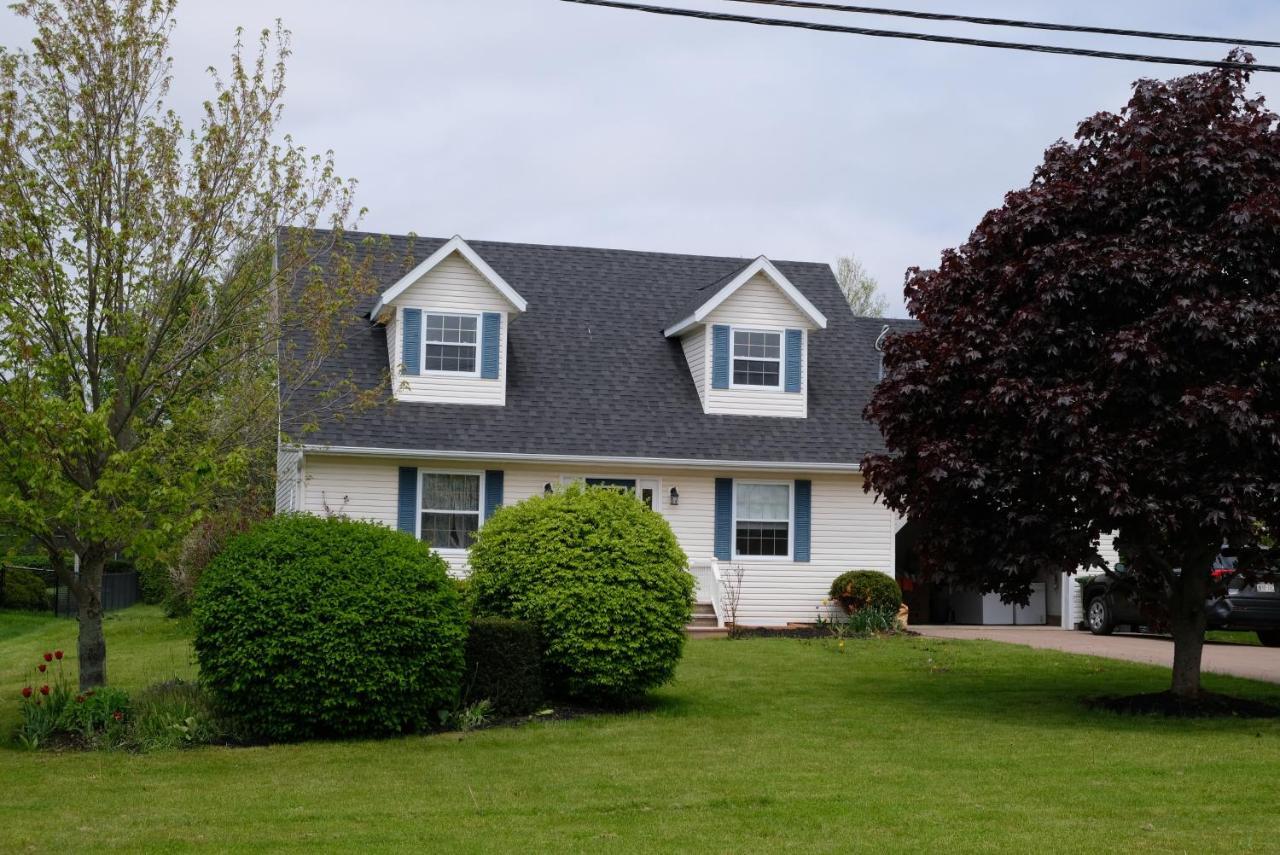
(589, 372)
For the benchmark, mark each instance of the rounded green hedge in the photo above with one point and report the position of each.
(858, 589)
(504, 665)
(308, 626)
(602, 578)
(25, 590)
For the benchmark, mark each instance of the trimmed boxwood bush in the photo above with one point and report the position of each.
(308, 626)
(859, 589)
(24, 590)
(504, 665)
(602, 578)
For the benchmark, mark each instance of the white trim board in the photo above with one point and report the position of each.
(518, 457)
(460, 246)
(773, 274)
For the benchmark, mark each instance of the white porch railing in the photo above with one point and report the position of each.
(709, 587)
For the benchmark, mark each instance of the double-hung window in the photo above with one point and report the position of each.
(450, 343)
(450, 509)
(762, 519)
(757, 358)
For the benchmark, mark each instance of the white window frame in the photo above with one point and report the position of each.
(782, 354)
(791, 519)
(429, 470)
(456, 313)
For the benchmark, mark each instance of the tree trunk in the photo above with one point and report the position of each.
(1187, 621)
(92, 646)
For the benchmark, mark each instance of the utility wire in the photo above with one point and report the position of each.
(925, 37)
(1009, 22)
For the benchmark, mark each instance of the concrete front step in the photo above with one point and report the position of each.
(704, 619)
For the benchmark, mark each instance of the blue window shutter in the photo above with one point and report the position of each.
(719, 357)
(794, 339)
(492, 491)
(407, 506)
(804, 520)
(411, 341)
(724, 518)
(490, 341)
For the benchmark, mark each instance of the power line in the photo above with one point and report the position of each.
(925, 37)
(1009, 22)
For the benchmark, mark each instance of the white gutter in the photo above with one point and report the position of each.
(576, 458)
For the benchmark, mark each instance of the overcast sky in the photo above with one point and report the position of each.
(542, 121)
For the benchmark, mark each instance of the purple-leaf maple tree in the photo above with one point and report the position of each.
(1103, 355)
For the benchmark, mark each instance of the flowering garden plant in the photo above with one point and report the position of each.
(53, 713)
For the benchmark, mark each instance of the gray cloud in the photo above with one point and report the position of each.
(533, 120)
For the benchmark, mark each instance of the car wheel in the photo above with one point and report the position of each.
(1098, 617)
(1269, 638)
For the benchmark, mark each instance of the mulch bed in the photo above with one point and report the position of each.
(1207, 705)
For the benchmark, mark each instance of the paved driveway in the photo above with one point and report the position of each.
(1256, 663)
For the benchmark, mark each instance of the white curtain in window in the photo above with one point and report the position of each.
(450, 492)
(764, 502)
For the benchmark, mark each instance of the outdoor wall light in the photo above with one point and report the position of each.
(675, 497)
(546, 489)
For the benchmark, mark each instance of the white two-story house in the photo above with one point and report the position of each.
(726, 392)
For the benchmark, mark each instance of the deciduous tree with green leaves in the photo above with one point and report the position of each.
(139, 269)
(860, 288)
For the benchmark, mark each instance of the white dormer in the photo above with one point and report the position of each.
(446, 326)
(747, 344)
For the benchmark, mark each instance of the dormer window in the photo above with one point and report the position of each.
(450, 343)
(757, 358)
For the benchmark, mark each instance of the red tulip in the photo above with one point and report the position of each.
(44, 690)
(79, 699)
(26, 691)
(48, 657)
(42, 666)
(117, 715)
(57, 654)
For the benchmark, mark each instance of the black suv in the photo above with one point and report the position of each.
(1109, 602)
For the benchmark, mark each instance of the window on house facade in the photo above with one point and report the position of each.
(450, 509)
(757, 358)
(450, 343)
(762, 519)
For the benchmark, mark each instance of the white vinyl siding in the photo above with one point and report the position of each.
(759, 304)
(849, 530)
(452, 286)
(695, 353)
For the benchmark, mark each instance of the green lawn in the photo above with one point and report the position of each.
(902, 744)
(1250, 638)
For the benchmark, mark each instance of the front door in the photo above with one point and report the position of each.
(646, 489)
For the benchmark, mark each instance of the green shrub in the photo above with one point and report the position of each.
(173, 714)
(859, 589)
(870, 620)
(24, 590)
(308, 626)
(602, 578)
(153, 581)
(34, 560)
(504, 665)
